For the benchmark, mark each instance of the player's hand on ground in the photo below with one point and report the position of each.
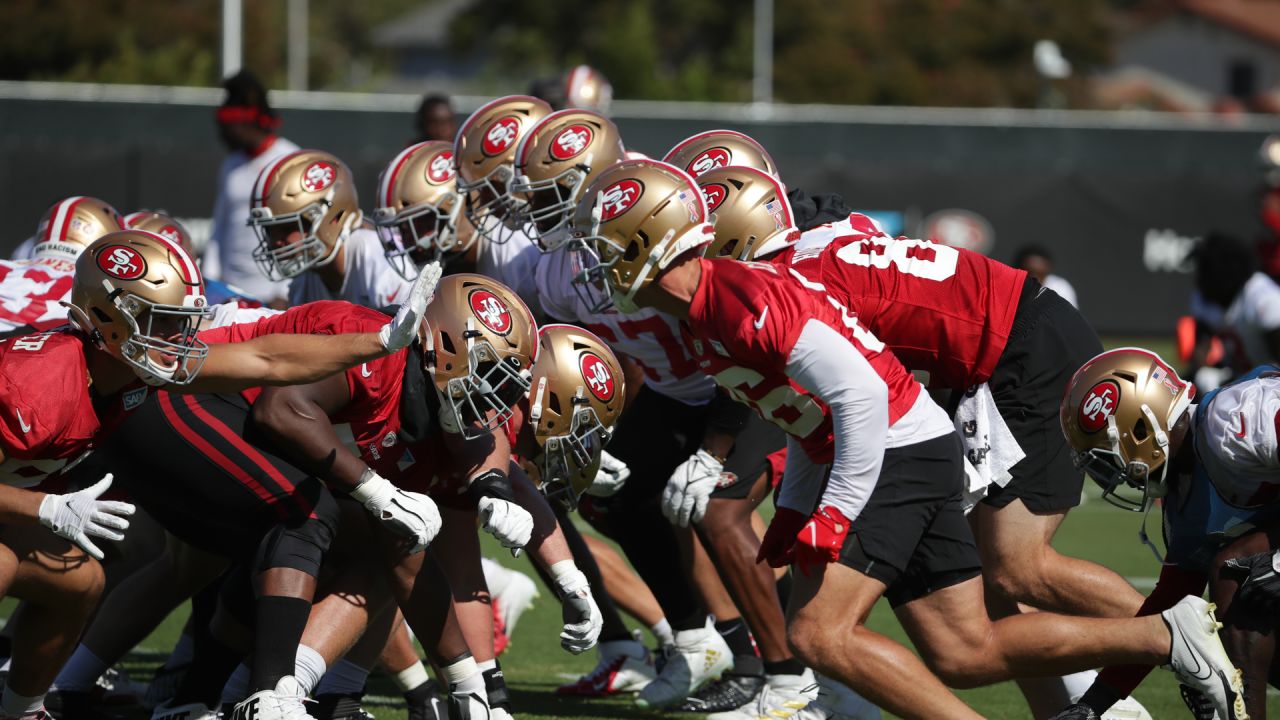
(610, 478)
(581, 615)
(403, 328)
(410, 514)
(80, 515)
(685, 498)
(511, 524)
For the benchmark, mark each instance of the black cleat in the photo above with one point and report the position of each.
(728, 693)
(84, 705)
(340, 706)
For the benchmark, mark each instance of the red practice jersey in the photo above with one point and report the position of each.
(743, 323)
(941, 309)
(49, 419)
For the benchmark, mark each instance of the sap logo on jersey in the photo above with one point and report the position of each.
(710, 160)
(318, 176)
(599, 379)
(501, 135)
(440, 169)
(1099, 404)
(571, 142)
(123, 262)
(715, 193)
(491, 311)
(619, 198)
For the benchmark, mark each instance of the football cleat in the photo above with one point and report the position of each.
(512, 591)
(842, 702)
(431, 707)
(1127, 709)
(698, 657)
(468, 706)
(1200, 661)
(340, 706)
(78, 705)
(730, 692)
(190, 711)
(284, 702)
(624, 666)
(1199, 705)
(1078, 711)
(40, 714)
(164, 685)
(782, 697)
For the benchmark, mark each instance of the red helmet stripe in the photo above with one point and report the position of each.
(267, 175)
(186, 266)
(58, 224)
(389, 179)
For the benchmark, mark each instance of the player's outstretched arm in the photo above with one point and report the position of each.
(281, 359)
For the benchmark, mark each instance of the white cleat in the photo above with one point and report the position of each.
(698, 657)
(782, 697)
(282, 703)
(625, 666)
(1127, 709)
(1199, 659)
(500, 714)
(469, 706)
(512, 591)
(841, 702)
(190, 711)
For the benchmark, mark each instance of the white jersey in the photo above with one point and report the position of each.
(649, 337)
(1254, 313)
(511, 263)
(232, 313)
(25, 251)
(231, 240)
(31, 291)
(369, 280)
(1236, 440)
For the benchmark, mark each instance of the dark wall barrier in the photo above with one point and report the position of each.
(1117, 206)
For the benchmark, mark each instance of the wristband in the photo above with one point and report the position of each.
(492, 484)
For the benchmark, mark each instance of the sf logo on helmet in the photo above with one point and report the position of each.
(123, 262)
(599, 380)
(318, 176)
(570, 142)
(501, 135)
(491, 311)
(619, 198)
(440, 169)
(1098, 405)
(714, 193)
(710, 160)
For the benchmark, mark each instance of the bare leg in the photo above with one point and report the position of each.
(1249, 637)
(460, 559)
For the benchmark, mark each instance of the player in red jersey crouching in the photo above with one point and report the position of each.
(871, 498)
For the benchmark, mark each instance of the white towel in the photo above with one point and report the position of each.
(990, 449)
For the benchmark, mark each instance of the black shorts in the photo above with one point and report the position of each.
(189, 462)
(653, 436)
(912, 535)
(749, 458)
(1049, 341)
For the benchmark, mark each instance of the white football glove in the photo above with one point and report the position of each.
(511, 524)
(80, 515)
(403, 328)
(410, 514)
(610, 478)
(689, 489)
(581, 615)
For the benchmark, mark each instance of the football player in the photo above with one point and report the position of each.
(135, 305)
(885, 517)
(1131, 425)
(215, 291)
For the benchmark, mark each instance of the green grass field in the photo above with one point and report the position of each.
(535, 664)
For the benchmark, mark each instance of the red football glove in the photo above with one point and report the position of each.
(779, 544)
(820, 540)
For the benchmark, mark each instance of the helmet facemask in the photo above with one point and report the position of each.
(1120, 479)
(483, 399)
(418, 235)
(568, 462)
(488, 204)
(549, 203)
(293, 259)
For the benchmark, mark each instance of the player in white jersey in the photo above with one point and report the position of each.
(31, 291)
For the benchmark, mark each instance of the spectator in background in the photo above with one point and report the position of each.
(1039, 265)
(1227, 277)
(435, 119)
(247, 126)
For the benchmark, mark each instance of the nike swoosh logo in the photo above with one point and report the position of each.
(392, 297)
(23, 423)
(1197, 674)
(760, 323)
(1239, 433)
(364, 370)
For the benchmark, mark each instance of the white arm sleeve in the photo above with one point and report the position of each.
(801, 480)
(826, 364)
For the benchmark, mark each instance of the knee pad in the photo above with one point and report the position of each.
(300, 545)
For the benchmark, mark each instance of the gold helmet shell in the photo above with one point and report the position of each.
(750, 211)
(555, 161)
(577, 393)
(418, 205)
(633, 220)
(1124, 413)
(162, 225)
(720, 148)
(139, 296)
(484, 153)
(72, 224)
(479, 343)
(309, 191)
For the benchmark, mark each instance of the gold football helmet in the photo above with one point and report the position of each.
(479, 343)
(484, 153)
(555, 162)
(303, 207)
(750, 211)
(162, 225)
(139, 296)
(587, 88)
(1124, 414)
(720, 148)
(71, 225)
(418, 207)
(577, 394)
(633, 220)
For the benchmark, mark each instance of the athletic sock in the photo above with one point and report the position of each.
(309, 668)
(81, 671)
(790, 666)
(182, 653)
(463, 676)
(411, 677)
(495, 684)
(663, 633)
(280, 622)
(1077, 684)
(736, 635)
(344, 678)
